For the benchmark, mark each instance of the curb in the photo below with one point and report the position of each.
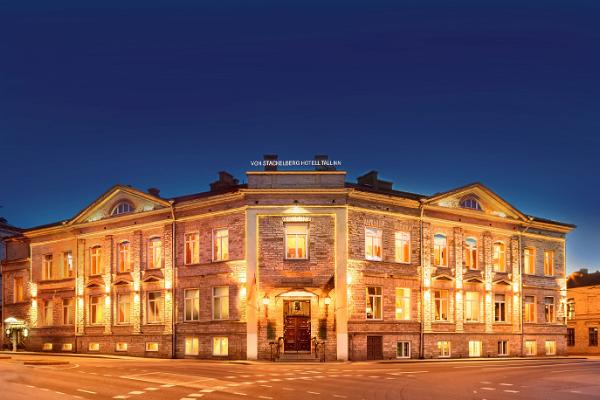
(42, 362)
(449, 360)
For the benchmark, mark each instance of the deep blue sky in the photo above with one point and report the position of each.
(432, 94)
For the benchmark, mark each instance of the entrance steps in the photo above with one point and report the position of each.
(297, 356)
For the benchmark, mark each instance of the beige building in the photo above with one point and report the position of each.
(290, 259)
(583, 313)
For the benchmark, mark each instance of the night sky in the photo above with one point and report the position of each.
(434, 95)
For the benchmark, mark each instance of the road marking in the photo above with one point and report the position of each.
(506, 384)
(230, 377)
(262, 381)
(29, 386)
(275, 380)
(511, 391)
(58, 392)
(240, 393)
(233, 384)
(264, 397)
(186, 398)
(86, 391)
(485, 382)
(576, 391)
(266, 385)
(288, 389)
(45, 390)
(207, 390)
(167, 385)
(120, 397)
(308, 391)
(389, 377)
(487, 388)
(136, 392)
(403, 373)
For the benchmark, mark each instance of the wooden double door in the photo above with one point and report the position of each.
(296, 327)
(374, 347)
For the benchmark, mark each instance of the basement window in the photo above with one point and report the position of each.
(151, 346)
(94, 346)
(121, 346)
(47, 346)
(67, 347)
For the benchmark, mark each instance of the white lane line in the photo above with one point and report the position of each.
(262, 381)
(167, 385)
(486, 382)
(86, 391)
(77, 397)
(186, 398)
(29, 386)
(233, 384)
(120, 397)
(240, 393)
(511, 391)
(207, 390)
(265, 397)
(230, 377)
(487, 388)
(308, 391)
(576, 391)
(506, 384)
(288, 389)
(136, 392)
(266, 385)
(275, 380)
(58, 392)
(45, 390)
(402, 373)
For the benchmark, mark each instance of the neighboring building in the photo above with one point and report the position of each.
(583, 312)
(6, 230)
(372, 271)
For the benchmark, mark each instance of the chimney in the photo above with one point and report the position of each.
(271, 162)
(371, 179)
(154, 191)
(226, 180)
(322, 163)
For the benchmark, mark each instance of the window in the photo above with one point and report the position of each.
(67, 271)
(529, 309)
(47, 346)
(155, 253)
(472, 306)
(441, 305)
(374, 303)
(475, 348)
(47, 266)
(123, 308)
(191, 305)
(503, 347)
(122, 208)
(500, 308)
(154, 307)
(550, 347)
(48, 313)
(571, 309)
(471, 203)
(192, 248)
(549, 309)
(443, 348)
(373, 244)
(221, 245)
(548, 263)
(499, 257)
(296, 241)
(440, 251)
(529, 260)
(121, 346)
(593, 336)
(124, 264)
(94, 347)
(470, 253)
(96, 260)
(221, 302)
(530, 348)
(18, 289)
(67, 347)
(96, 310)
(220, 346)
(403, 304)
(67, 314)
(570, 336)
(402, 245)
(152, 346)
(191, 346)
(403, 350)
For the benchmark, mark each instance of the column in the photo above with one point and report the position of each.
(107, 277)
(167, 243)
(252, 283)
(341, 282)
(458, 276)
(488, 277)
(80, 288)
(426, 276)
(515, 262)
(136, 249)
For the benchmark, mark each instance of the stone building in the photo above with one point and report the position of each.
(368, 271)
(6, 230)
(583, 312)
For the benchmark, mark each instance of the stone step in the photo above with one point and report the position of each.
(304, 356)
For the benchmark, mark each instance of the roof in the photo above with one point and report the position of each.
(580, 279)
(393, 192)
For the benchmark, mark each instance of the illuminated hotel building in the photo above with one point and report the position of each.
(370, 271)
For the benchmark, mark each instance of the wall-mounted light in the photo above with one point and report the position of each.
(107, 300)
(266, 301)
(516, 287)
(348, 279)
(327, 300)
(25, 332)
(168, 284)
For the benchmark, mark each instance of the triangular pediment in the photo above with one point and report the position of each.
(502, 281)
(104, 207)
(443, 277)
(480, 200)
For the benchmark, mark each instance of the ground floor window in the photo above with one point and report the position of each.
(220, 346)
(47, 346)
(475, 348)
(530, 348)
(503, 347)
(67, 347)
(403, 350)
(443, 348)
(570, 336)
(151, 346)
(550, 347)
(94, 347)
(593, 336)
(121, 346)
(191, 346)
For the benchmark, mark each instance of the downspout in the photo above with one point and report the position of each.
(173, 291)
(521, 280)
(421, 325)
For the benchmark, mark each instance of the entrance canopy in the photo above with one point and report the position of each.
(14, 323)
(297, 293)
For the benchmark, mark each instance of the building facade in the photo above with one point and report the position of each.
(289, 258)
(583, 313)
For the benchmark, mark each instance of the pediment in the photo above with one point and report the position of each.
(502, 282)
(443, 277)
(121, 282)
(150, 279)
(92, 284)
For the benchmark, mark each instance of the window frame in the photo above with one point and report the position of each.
(196, 300)
(375, 237)
(68, 265)
(440, 252)
(118, 303)
(402, 247)
(18, 289)
(593, 336)
(221, 317)
(123, 256)
(96, 260)
(221, 340)
(441, 300)
(472, 252)
(117, 208)
(500, 306)
(404, 301)
(404, 345)
(69, 309)
(158, 303)
(48, 313)
(499, 259)
(533, 305)
(553, 347)
(47, 266)
(549, 263)
(549, 309)
(474, 304)
(152, 248)
(218, 254)
(443, 349)
(570, 337)
(528, 348)
(371, 300)
(99, 310)
(503, 349)
(195, 341)
(475, 345)
(529, 267)
(195, 251)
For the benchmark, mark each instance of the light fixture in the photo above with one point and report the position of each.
(25, 332)
(327, 300)
(265, 301)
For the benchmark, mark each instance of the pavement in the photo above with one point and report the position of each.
(141, 379)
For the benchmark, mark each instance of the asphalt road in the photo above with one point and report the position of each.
(141, 379)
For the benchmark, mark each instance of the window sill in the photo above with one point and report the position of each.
(296, 259)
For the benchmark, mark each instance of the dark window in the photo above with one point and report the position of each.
(593, 336)
(570, 337)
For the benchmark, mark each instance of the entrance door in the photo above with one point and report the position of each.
(296, 329)
(374, 347)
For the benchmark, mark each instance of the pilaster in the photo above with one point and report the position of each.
(458, 276)
(136, 248)
(488, 277)
(427, 273)
(167, 242)
(515, 262)
(108, 267)
(79, 288)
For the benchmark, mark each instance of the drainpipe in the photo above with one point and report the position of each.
(422, 333)
(521, 280)
(173, 291)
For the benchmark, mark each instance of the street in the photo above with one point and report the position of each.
(129, 378)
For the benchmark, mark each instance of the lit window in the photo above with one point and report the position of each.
(571, 309)
(18, 289)
(548, 263)
(475, 348)
(68, 264)
(374, 308)
(499, 308)
(441, 305)
(47, 346)
(96, 310)
(152, 346)
(221, 302)
(191, 305)
(499, 257)
(529, 260)
(549, 309)
(296, 241)
(67, 347)
(124, 257)
(94, 347)
(123, 308)
(472, 306)
(470, 253)
(122, 208)
(373, 244)
(121, 346)
(402, 247)
(48, 313)
(96, 260)
(155, 307)
(192, 248)
(155, 253)
(550, 347)
(443, 348)
(220, 346)
(221, 245)
(593, 336)
(440, 250)
(471, 203)
(530, 348)
(191, 346)
(67, 306)
(503, 347)
(403, 304)
(403, 350)
(47, 266)
(570, 336)
(529, 309)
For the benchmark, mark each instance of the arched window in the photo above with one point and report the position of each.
(470, 253)
(499, 257)
(122, 207)
(471, 203)
(440, 250)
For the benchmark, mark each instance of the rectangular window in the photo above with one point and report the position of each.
(475, 348)
(121, 346)
(529, 309)
(402, 247)
(124, 256)
(18, 289)
(47, 347)
(155, 253)
(191, 305)
(470, 253)
(503, 347)
(192, 248)
(155, 307)
(191, 346)
(221, 245)
(570, 336)
(472, 306)
(530, 348)
(123, 308)
(374, 308)
(550, 347)
(67, 314)
(96, 260)
(529, 260)
(47, 266)
(440, 250)
(152, 346)
(373, 244)
(441, 305)
(94, 346)
(48, 313)
(220, 346)
(68, 271)
(499, 308)
(67, 347)
(296, 241)
(403, 350)
(403, 304)
(593, 336)
(96, 310)
(499, 257)
(221, 302)
(571, 309)
(549, 309)
(548, 263)
(443, 348)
